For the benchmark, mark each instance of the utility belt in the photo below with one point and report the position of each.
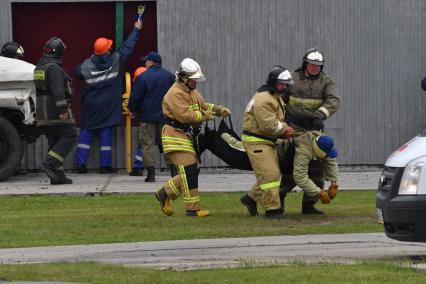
(246, 132)
(189, 130)
(185, 127)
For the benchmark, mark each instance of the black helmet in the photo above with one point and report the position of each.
(12, 50)
(54, 47)
(313, 56)
(279, 74)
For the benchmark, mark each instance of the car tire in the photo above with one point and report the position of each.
(10, 149)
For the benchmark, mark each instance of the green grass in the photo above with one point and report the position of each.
(88, 272)
(66, 220)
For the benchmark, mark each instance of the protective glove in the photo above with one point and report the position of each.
(317, 123)
(319, 114)
(324, 197)
(224, 112)
(208, 115)
(332, 190)
(289, 132)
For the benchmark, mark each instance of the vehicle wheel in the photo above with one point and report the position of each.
(10, 149)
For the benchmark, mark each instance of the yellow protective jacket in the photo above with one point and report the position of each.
(187, 107)
(264, 117)
(306, 151)
(307, 96)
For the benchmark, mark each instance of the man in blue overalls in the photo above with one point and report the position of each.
(101, 97)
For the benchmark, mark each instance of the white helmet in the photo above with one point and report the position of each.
(313, 56)
(190, 69)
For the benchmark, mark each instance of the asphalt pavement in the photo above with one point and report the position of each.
(226, 252)
(121, 183)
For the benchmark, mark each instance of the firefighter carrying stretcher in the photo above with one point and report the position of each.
(263, 124)
(185, 109)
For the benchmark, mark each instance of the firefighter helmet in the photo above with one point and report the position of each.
(12, 50)
(190, 69)
(313, 56)
(279, 74)
(54, 47)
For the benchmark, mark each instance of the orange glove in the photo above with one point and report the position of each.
(323, 196)
(332, 190)
(288, 132)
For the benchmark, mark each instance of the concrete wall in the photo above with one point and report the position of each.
(373, 50)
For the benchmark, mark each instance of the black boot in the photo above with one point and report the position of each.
(309, 208)
(51, 173)
(81, 169)
(173, 171)
(250, 204)
(107, 170)
(274, 214)
(150, 177)
(62, 178)
(136, 172)
(282, 200)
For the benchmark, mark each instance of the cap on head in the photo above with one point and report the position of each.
(190, 69)
(102, 45)
(326, 144)
(12, 50)
(54, 47)
(153, 56)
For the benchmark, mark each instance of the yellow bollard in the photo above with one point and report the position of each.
(127, 115)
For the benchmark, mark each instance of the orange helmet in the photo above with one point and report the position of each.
(102, 45)
(138, 71)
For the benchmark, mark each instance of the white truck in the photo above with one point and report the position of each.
(401, 196)
(17, 112)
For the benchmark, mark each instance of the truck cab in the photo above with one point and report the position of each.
(17, 112)
(401, 195)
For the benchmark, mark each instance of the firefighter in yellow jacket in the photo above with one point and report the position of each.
(263, 124)
(185, 109)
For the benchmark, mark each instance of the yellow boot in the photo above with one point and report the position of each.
(199, 213)
(165, 202)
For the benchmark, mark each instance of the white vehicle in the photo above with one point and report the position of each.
(401, 196)
(17, 112)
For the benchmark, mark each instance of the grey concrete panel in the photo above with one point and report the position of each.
(373, 50)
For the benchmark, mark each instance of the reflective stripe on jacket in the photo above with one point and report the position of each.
(53, 92)
(264, 116)
(309, 95)
(186, 106)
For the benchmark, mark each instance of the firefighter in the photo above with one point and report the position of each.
(12, 50)
(184, 110)
(263, 124)
(54, 116)
(311, 100)
(101, 100)
(315, 146)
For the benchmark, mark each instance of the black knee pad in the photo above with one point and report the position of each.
(191, 172)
